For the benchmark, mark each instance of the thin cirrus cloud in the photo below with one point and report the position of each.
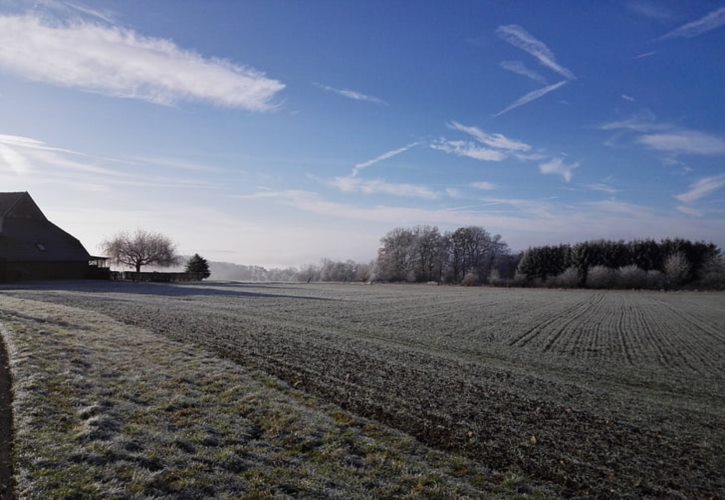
(27, 162)
(702, 188)
(122, 63)
(602, 188)
(468, 150)
(642, 122)
(498, 146)
(483, 185)
(645, 54)
(351, 184)
(522, 39)
(689, 211)
(666, 138)
(521, 69)
(498, 141)
(531, 96)
(385, 156)
(655, 11)
(711, 21)
(557, 166)
(89, 11)
(684, 142)
(351, 94)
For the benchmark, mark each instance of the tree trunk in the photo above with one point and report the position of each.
(138, 268)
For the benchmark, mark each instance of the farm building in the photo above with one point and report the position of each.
(33, 248)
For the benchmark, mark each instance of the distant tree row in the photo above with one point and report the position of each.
(239, 272)
(468, 255)
(608, 264)
(331, 270)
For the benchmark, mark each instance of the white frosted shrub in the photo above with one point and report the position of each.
(600, 277)
(677, 269)
(568, 279)
(471, 279)
(629, 277)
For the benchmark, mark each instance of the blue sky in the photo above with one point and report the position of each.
(280, 132)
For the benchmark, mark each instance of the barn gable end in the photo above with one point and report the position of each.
(32, 247)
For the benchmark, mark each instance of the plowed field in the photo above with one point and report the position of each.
(595, 393)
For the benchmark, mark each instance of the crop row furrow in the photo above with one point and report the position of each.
(694, 350)
(552, 315)
(576, 314)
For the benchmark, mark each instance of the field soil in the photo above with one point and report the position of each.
(594, 393)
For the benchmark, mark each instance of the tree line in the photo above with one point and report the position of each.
(469, 255)
(619, 264)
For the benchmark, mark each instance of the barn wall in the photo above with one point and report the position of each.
(27, 271)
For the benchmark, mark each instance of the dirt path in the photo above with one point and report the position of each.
(6, 427)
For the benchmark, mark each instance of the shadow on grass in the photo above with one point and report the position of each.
(222, 289)
(7, 482)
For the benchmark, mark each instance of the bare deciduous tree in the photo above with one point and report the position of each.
(141, 248)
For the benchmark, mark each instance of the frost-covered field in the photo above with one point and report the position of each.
(591, 393)
(107, 410)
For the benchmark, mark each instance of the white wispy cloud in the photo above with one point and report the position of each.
(483, 185)
(520, 68)
(645, 54)
(350, 94)
(602, 188)
(556, 166)
(522, 39)
(103, 15)
(469, 150)
(454, 193)
(385, 156)
(498, 141)
(702, 188)
(122, 63)
(540, 209)
(641, 122)
(620, 207)
(685, 142)
(711, 21)
(531, 96)
(529, 156)
(351, 184)
(628, 98)
(174, 163)
(63, 9)
(32, 162)
(689, 211)
(656, 11)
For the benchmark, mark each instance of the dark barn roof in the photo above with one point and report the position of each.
(26, 235)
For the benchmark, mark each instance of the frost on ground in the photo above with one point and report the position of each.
(592, 393)
(103, 409)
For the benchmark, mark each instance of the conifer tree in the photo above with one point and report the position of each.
(198, 264)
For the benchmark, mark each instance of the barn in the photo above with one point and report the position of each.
(33, 248)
